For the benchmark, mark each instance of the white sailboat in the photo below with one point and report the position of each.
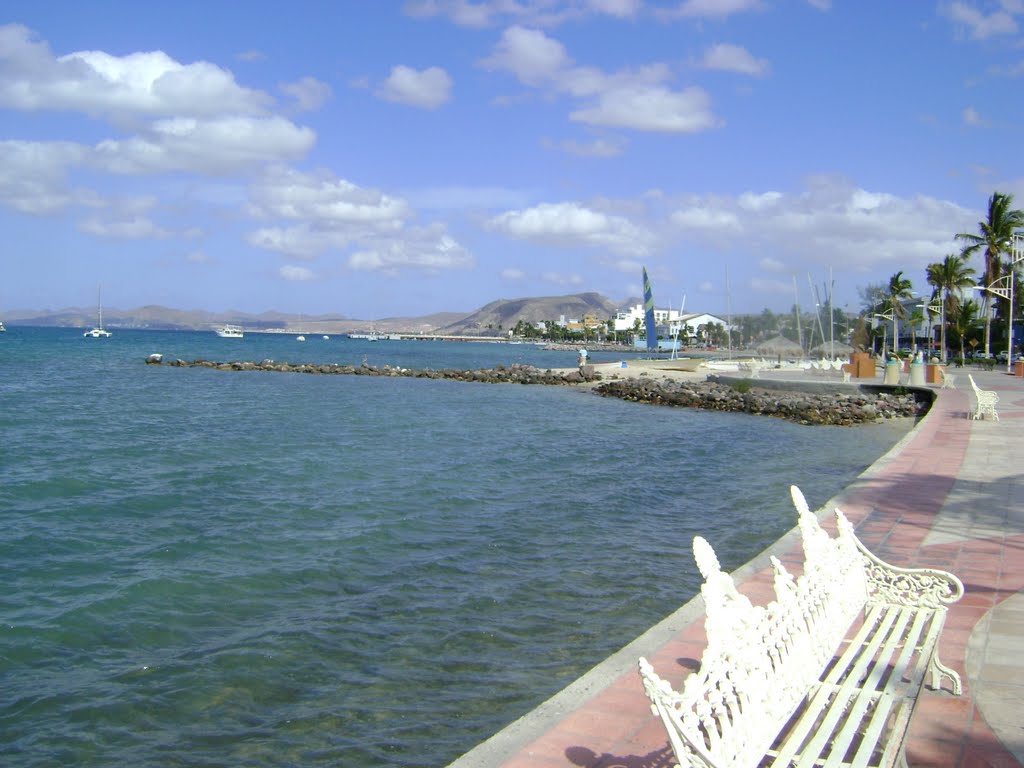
(231, 332)
(99, 332)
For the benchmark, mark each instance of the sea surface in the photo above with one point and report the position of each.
(211, 568)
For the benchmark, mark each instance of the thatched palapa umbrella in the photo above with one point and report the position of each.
(780, 345)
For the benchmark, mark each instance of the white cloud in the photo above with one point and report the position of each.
(93, 82)
(637, 98)
(832, 222)
(572, 224)
(769, 264)
(33, 175)
(541, 13)
(197, 257)
(651, 109)
(530, 55)
(135, 228)
(562, 279)
(328, 201)
(512, 274)
(595, 148)
(734, 58)
(428, 249)
(210, 147)
(297, 274)
(715, 9)
(427, 89)
(972, 118)
(309, 93)
(980, 26)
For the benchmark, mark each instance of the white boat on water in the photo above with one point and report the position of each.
(2, 329)
(300, 338)
(230, 332)
(99, 332)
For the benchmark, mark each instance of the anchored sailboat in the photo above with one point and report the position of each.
(99, 332)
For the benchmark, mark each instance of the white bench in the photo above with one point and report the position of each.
(985, 401)
(828, 673)
(948, 379)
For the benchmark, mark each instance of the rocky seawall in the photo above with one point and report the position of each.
(846, 407)
(842, 408)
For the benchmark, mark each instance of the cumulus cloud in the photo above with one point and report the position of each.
(428, 249)
(637, 99)
(486, 13)
(979, 25)
(33, 175)
(211, 147)
(831, 222)
(651, 109)
(134, 228)
(734, 58)
(325, 199)
(572, 224)
(323, 213)
(308, 93)
(559, 278)
(93, 82)
(428, 89)
(973, 118)
(714, 9)
(295, 273)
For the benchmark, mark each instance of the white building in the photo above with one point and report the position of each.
(669, 321)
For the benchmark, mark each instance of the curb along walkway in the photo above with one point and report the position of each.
(950, 495)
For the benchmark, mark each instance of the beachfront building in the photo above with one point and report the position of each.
(670, 322)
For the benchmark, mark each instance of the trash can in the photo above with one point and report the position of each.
(1018, 368)
(917, 374)
(892, 372)
(934, 373)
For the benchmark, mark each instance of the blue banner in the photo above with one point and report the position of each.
(652, 331)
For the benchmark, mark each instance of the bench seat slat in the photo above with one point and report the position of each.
(844, 707)
(894, 694)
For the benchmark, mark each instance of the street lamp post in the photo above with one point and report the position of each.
(890, 315)
(1006, 292)
(929, 310)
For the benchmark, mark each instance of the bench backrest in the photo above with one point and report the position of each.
(760, 660)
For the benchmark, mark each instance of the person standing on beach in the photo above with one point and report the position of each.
(583, 358)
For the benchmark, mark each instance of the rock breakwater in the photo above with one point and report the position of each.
(835, 408)
(512, 374)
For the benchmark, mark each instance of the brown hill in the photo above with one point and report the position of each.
(502, 315)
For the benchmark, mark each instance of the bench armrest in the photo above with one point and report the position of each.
(887, 583)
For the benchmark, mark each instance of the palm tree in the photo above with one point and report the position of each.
(949, 277)
(996, 234)
(896, 293)
(962, 319)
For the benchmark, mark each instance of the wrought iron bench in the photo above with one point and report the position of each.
(985, 401)
(829, 673)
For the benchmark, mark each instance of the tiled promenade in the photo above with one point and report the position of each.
(950, 496)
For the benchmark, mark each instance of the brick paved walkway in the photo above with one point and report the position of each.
(951, 496)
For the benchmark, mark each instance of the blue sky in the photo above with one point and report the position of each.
(378, 159)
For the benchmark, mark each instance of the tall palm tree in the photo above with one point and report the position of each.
(996, 233)
(949, 277)
(962, 319)
(896, 293)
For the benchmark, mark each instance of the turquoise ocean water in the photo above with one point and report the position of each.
(206, 568)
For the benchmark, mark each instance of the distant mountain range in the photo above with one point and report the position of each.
(494, 318)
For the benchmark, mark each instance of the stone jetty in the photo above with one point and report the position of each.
(842, 407)
(512, 374)
(847, 406)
